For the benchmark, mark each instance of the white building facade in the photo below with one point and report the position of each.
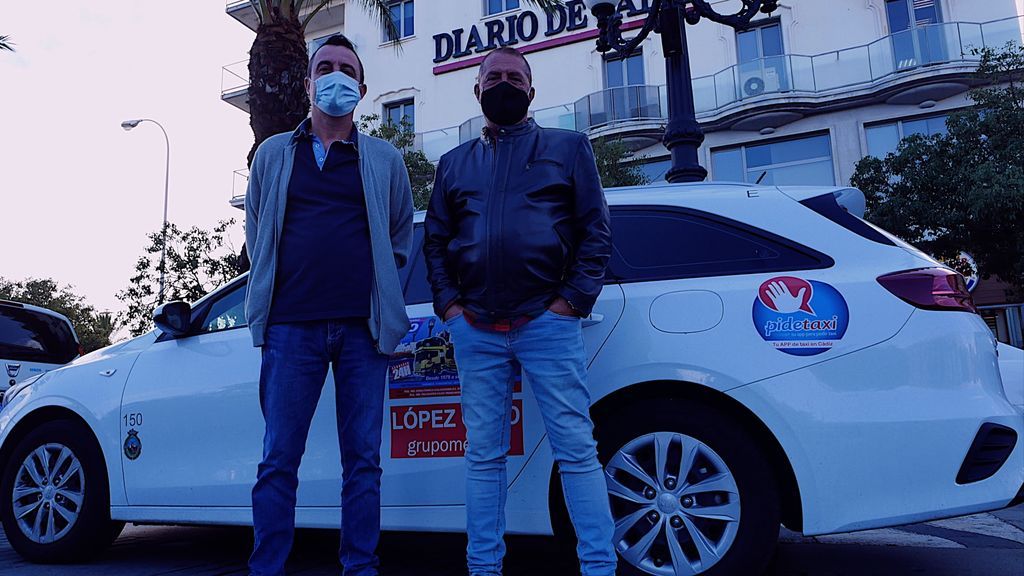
(798, 99)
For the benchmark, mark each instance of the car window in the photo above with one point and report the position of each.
(227, 312)
(417, 289)
(30, 336)
(663, 244)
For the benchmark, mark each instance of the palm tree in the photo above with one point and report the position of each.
(278, 60)
(6, 44)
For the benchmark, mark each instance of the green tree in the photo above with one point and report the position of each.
(402, 136)
(964, 190)
(93, 327)
(198, 261)
(278, 61)
(6, 44)
(612, 164)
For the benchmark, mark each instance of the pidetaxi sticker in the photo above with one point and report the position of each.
(800, 317)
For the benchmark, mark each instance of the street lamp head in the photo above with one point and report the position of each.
(129, 124)
(600, 7)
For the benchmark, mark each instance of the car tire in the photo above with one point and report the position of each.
(72, 489)
(756, 532)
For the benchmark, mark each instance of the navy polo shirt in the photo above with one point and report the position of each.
(323, 256)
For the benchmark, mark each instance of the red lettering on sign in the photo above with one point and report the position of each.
(436, 431)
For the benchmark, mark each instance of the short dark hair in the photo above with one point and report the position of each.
(338, 40)
(511, 52)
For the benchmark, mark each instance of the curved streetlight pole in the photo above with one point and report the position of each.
(128, 125)
(683, 135)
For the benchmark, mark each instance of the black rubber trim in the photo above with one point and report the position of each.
(991, 448)
(827, 206)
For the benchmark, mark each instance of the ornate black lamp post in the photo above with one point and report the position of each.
(683, 136)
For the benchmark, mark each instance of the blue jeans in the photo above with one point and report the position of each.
(295, 361)
(553, 359)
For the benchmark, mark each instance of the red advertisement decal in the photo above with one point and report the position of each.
(436, 431)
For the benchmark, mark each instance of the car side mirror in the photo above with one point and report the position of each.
(174, 318)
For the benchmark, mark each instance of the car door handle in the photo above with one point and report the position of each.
(593, 319)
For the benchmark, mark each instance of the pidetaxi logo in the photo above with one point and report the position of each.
(800, 317)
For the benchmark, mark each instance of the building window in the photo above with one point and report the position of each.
(885, 138)
(796, 162)
(624, 97)
(621, 72)
(656, 169)
(402, 16)
(762, 64)
(396, 111)
(913, 42)
(499, 6)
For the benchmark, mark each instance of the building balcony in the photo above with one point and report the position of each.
(910, 67)
(234, 85)
(332, 15)
(239, 185)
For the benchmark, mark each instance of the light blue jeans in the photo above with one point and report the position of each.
(553, 359)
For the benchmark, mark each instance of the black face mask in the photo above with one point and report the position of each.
(504, 104)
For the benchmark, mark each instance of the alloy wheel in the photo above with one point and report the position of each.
(48, 493)
(675, 504)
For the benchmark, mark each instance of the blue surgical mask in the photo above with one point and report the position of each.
(337, 94)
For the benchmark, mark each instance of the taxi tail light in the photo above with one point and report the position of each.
(930, 289)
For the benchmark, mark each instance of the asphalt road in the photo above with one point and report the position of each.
(980, 545)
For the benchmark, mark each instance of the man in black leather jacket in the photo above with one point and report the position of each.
(517, 241)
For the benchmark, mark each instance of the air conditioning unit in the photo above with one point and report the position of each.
(764, 80)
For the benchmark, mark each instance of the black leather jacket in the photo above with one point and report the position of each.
(516, 219)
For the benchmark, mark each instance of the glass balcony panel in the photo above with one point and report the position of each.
(650, 103)
(582, 107)
(557, 117)
(234, 77)
(881, 57)
(801, 72)
(999, 32)
(599, 108)
(471, 129)
(931, 44)
(726, 89)
(828, 72)
(971, 37)
(776, 74)
(904, 49)
(436, 142)
(703, 94)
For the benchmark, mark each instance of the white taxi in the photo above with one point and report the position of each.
(758, 356)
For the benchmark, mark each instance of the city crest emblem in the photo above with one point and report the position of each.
(132, 445)
(13, 369)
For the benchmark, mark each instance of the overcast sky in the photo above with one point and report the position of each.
(77, 193)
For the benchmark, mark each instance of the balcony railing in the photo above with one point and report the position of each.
(239, 185)
(234, 79)
(944, 43)
(616, 105)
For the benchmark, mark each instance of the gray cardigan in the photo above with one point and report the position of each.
(389, 210)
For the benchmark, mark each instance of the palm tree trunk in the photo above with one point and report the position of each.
(277, 67)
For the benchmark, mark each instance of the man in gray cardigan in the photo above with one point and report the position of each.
(328, 225)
